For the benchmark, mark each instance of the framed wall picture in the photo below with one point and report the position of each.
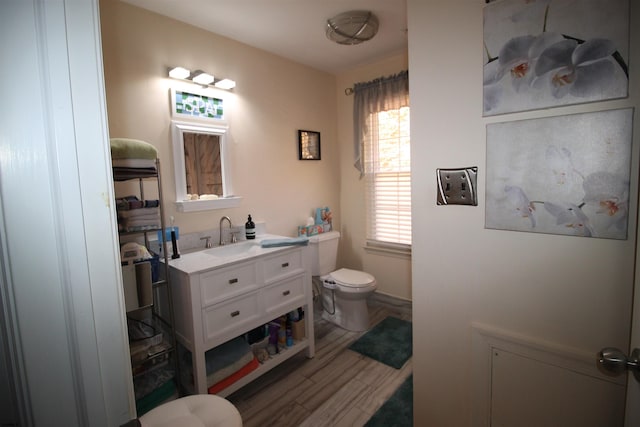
(197, 106)
(308, 145)
(567, 175)
(541, 54)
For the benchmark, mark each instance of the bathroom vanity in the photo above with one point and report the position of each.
(222, 293)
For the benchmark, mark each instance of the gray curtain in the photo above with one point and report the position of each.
(381, 94)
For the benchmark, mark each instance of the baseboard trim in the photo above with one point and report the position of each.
(391, 299)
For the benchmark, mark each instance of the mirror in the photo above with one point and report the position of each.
(201, 169)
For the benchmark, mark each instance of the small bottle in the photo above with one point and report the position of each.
(288, 333)
(250, 229)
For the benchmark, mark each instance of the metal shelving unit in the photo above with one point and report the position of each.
(153, 341)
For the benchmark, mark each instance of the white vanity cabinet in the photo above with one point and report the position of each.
(214, 305)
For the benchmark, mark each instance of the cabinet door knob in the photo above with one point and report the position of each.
(232, 281)
(235, 313)
(285, 265)
(287, 292)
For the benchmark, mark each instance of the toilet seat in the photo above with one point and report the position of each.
(351, 279)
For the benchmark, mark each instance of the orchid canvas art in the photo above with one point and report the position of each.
(547, 53)
(564, 175)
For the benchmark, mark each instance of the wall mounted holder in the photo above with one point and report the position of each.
(457, 186)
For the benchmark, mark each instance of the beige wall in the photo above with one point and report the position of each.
(571, 291)
(273, 99)
(567, 290)
(393, 274)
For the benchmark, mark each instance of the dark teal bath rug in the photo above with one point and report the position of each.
(388, 342)
(398, 410)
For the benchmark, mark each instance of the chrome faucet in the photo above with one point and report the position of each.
(222, 242)
(207, 244)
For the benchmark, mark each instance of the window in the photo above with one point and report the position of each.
(387, 173)
(382, 155)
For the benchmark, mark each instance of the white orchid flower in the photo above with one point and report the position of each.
(521, 204)
(570, 216)
(610, 193)
(576, 69)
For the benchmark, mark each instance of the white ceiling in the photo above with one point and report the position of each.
(294, 29)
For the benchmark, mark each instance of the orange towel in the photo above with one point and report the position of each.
(222, 384)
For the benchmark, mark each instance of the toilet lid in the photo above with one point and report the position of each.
(352, 278)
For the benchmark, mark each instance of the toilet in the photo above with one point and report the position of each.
(344, 291)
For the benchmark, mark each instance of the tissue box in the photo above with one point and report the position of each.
(312, 230)
(302, 230)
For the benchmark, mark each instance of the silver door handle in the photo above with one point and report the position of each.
(614, 362)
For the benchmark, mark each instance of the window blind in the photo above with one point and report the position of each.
(387, 172)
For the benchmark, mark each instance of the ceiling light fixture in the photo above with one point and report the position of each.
(353, 27)
(200, 77)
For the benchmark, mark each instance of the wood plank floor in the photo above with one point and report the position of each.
(337, 387)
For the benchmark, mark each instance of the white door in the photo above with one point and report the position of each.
(627, 362)
(61, 302)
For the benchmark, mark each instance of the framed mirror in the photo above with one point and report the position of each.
(203, 179)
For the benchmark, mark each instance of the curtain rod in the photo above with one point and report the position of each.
(349, 91)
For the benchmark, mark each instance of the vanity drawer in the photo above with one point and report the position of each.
(219, 285)
(282, 264)
(287, 292)
(230, 317)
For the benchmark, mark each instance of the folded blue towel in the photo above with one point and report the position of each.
(273, 243)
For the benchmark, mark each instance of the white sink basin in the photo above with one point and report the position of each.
(233, 250)
(206, 259)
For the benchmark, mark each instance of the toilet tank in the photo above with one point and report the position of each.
(323, 250)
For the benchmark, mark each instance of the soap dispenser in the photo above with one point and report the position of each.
(250, 229)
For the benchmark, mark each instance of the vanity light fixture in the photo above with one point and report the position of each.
(201, 78)
(225, 84)
(179, 73)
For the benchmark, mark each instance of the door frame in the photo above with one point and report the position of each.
(60, 277)
(632, 407)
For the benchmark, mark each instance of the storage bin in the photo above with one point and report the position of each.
(155, 266)
(297, 330)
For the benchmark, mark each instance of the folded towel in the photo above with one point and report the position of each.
(131, 165)
(141, 220)
(138, 213)
(125, 148)
(274, 243)
(224, 355)
(123, 174)
(245, 370)
(153, 222)
(132, 202)
(130, 228)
